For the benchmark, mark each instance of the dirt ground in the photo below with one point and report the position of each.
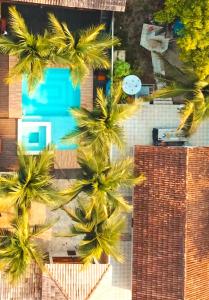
(128, 27)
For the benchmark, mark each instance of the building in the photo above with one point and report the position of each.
(110, 5)
(66, 281)
(171, 213)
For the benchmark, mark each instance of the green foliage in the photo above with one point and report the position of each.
(32, 182)
(172, 10)
(100, 220)
(194, 43)
(33, 52)
(101, 233)
(18, 249)
(102, 180)
(184, 82)
(100, 128)
(121, 69)
(99, 216)
(56, 46)
(88, 50)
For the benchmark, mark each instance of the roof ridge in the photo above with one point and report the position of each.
(98, 282)
(67, 297)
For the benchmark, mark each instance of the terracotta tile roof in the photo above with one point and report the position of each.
(170, 232)
(111, 5)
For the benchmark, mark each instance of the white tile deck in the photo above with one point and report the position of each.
(138, 129)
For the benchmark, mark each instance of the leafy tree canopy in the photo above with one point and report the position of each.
(194, 42)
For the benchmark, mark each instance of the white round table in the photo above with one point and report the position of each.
(131, 85)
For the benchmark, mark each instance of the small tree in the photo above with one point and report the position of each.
(18, 249)
(100, 128)
(194, 41)
(184, 82)
(86, 50)
(56, 46)
(32, 182)
(102, 181)
(100, 233)
(121, 69)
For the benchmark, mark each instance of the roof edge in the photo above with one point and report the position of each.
(110, 5)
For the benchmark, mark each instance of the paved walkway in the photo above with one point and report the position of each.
(114, 293)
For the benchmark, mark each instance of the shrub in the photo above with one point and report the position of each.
(121, 69)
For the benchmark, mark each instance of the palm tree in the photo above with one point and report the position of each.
(33, 52)
(100, 128)
(101, 181)
(181, 81)
(36, 52)
(32, 182)
(88, 49)
(100, 233)
(18, 249)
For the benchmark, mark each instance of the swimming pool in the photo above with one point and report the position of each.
(46, 118)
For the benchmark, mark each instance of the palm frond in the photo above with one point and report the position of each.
(186, 113)
(100, 233)
(17, 23)
(123, 112)
(101, 181)
(37, 230)
(90, 34)
(32, 182)
(119, 202)
(55, 26)
(100, 128)
(18, 250)
(8, 46)
(170, 91)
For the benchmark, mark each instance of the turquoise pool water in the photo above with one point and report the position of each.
(49, 104)
(34, 138)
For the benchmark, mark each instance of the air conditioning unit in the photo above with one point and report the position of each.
(168, 136)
